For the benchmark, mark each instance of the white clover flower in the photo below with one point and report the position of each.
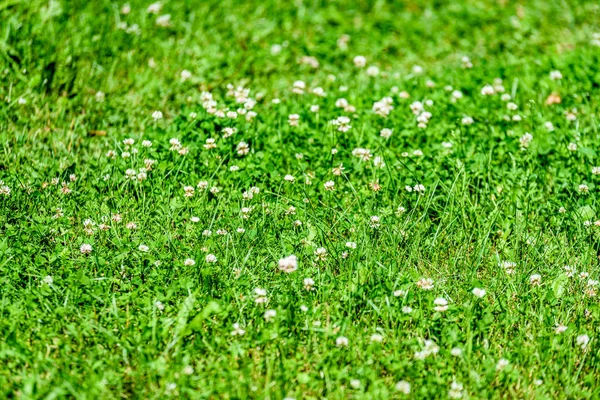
(360, 61)
(210, 258)
(185, 75)
(156, 115)
(477, 292)
(467, 121)
(582, 341)
(321, 254)
(555, 75)
(372, 71)
(425, 283)
(526, 140)
(341, 341)
(403, 387)
(501, 364)
(560, 329)
(308, 283)
(385, 133)
(293, 119)
(456, 352)
(535, 279)
(270, 315)
(288, 264)
(143, 248)
(456, 390)
(189, 262)
(377, 338)
(441, 304)
(487, 90)
(154, 8)
(237, 330)
(85, 248)
(164, 20)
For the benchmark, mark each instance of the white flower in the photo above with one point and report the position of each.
(189, 262)
(385, 133)
(270, 315)
(555, 75)
(164, 20)
(509, 267)
(429, 348)
(293, 119)
(572, 146)
(456, 351)
(237, 330)
(185, 75)
(210, 258)
(341, 341)
(487, 90)
(383, 107)
(243, 148)
(48, 280)
(329, 185)
(372, 71)
(583, 341)
(156, 115)
(154, 8)
(535, 279)
(85, 248)
(377, 338)
(525, 140)
(501, 364)
(308, 283)
(479, 292)
(455, 391)
(321, 253)
(403, 387)
(360, 61)
(288, 264)
(143, 248)
(441, 304)
(467, 121)
(560, 329)
(425, 283)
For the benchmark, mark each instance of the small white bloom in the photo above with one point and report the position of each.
(288, 264)
(403, 387)
(189, 262)
(85, 248)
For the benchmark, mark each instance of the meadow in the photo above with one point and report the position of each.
(299, 200)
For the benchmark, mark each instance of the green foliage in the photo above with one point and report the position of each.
(168, 301)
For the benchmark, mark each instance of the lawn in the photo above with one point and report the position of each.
(299, 200)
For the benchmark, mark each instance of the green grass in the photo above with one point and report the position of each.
(80, 77)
